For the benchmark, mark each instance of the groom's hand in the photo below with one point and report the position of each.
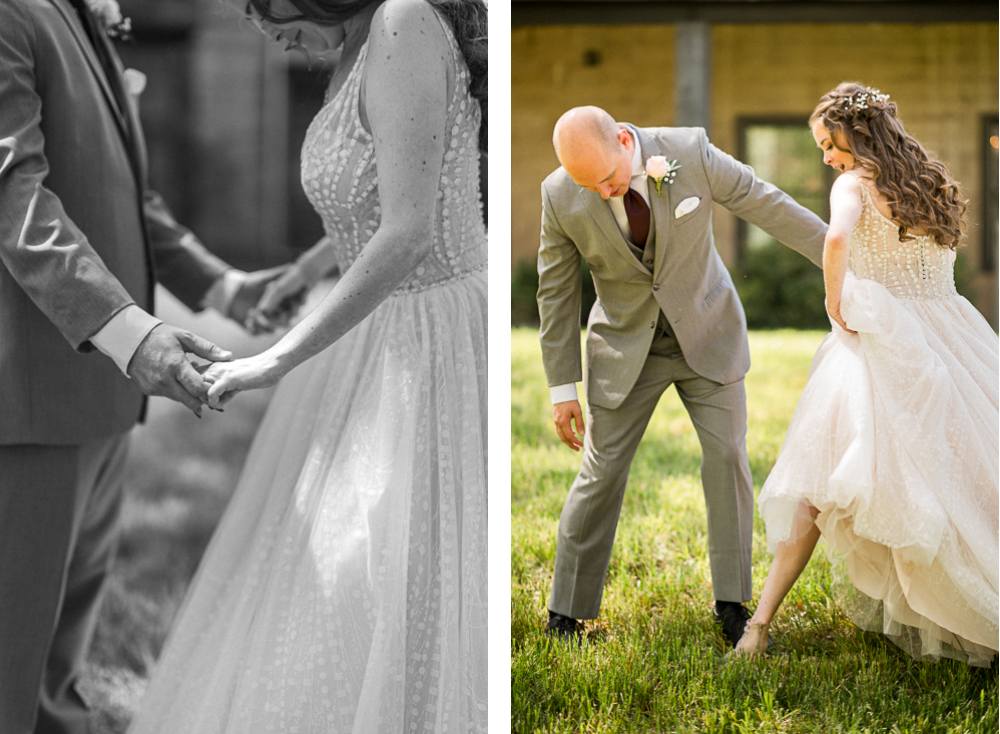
(160, 365)
(565, 416)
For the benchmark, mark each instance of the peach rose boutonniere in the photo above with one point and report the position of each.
(661, 170)
(109, 14)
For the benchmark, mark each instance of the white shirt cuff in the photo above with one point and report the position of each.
(563, 393)
(122, 335)
(220, 296)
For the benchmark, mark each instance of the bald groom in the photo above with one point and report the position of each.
(666, 314)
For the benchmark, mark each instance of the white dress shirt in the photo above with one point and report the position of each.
(124, 332)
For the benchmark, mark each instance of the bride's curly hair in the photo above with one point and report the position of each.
(920, 192)
(467, 18)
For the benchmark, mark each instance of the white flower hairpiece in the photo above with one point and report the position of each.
(110, 16)
(862, 99)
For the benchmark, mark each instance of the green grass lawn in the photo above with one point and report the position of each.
(653, 661)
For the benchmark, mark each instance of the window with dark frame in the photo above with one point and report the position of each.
(782, 151)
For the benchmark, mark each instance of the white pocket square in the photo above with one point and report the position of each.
(686, 207)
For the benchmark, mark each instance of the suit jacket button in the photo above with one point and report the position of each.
(652, 324)
(656, 286)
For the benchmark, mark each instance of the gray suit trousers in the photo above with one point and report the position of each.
(590, 515)
(59, 509)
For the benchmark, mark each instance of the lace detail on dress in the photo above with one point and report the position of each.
(417, 288)
(895, 442)
(918, 268)
(340, 177)
(345, 590)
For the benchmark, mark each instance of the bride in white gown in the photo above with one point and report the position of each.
(345, 589)
(892, 453)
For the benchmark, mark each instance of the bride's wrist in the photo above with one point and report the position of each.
(276, 362)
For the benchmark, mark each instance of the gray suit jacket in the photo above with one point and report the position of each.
(79, 232)
(688, 281)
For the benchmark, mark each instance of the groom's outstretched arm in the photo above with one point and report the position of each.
(736, 187)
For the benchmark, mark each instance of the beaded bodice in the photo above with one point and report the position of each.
(918, 268)
(340, 178)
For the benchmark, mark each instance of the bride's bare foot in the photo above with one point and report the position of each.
(754, 640)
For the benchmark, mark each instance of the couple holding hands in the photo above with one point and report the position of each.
(892, 454)
(349, 572)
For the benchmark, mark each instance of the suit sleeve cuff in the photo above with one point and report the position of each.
(121, 336)
(220, 296)
(563, 393)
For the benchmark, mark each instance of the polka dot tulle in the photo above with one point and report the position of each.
(345, 589)
(340, 177)
(895, 440)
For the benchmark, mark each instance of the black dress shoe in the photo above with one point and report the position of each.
(733, 617)
(564, 627)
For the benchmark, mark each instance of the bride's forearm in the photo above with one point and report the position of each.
(835, 256)
(386, 261)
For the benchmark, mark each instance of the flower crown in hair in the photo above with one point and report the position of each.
(862, 99)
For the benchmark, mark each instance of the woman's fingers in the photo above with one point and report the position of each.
(841, 323)
(217, 391)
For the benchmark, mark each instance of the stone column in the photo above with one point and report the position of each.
(693, 74)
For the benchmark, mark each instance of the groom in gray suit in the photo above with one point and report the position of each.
(666, 314)
(80, 237)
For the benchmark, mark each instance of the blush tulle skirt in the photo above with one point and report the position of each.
(895, 441)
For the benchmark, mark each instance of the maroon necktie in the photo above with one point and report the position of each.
(637, 212)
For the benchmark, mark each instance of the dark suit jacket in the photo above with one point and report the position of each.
(79, 232)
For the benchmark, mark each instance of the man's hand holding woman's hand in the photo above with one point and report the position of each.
(280, 301)
(283, 295)
(256, 288)
(223, 380)
(160, 365)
